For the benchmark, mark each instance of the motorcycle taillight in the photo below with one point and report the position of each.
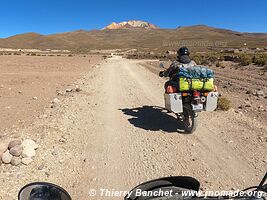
(196, 94)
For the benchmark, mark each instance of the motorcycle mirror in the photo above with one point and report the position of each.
(43, 191)
(161, 65)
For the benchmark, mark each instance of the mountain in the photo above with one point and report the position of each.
(199, 38)
(130, 24)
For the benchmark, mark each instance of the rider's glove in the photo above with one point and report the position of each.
(161, 74)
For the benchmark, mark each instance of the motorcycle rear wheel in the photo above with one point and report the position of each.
(189, 119)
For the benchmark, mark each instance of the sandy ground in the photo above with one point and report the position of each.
(114, 134)
(25, 78)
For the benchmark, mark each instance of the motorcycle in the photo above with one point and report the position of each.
(187, 105)
(171, 188)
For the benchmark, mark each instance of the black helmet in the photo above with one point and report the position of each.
(183, 51)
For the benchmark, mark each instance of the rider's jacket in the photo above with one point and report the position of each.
(184, 61)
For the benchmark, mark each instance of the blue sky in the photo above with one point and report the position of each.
(53, 16)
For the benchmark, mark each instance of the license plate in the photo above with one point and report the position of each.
(197, 107)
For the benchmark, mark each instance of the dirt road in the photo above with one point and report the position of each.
(115, 134)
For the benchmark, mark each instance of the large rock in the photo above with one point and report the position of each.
(14, 143)
(16, 150)
(29, 144)
(3, 146)
(28, 152)
(27, 160)
(7, 157)
(15, 161)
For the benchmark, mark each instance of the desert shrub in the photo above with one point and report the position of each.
(51, 55)
(245, 59)
(33, 54)
(16, 54)
(260, 59)
(70, 55)
(207, 58)
(159, 56)
(205, 61)
(218, 64)
(221, 57)
(212, 57)
(198, 58)
(223, 104)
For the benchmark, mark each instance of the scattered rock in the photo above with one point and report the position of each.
(77, 88)
(7, 157)
(68, 90)
(14, 143)
(15, 161)
(3, 147)
(16, 150)
(28, 143)
(41, 167)
(55, 152)
(248, 92)
(55, 101)
(35, 98)
(62, 139)
(28, 152)
(259, 93)
(241, 106)
(27, 160)
(60, 93)
(43, 116)
(47, 174)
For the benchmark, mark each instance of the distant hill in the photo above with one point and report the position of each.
(198, 37)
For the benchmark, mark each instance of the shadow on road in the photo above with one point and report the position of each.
(154, 119)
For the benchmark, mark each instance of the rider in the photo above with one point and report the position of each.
(183, 60)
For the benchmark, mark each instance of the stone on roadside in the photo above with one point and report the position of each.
(27, 160)
(60, 93)
(68, 90)
(15, 161)
(28, 143)
(16, 150)
(77, 88)
(260, 93)
(7, 157)
(14, 143)
(28, 152)
(55, 101)
(3, 147)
